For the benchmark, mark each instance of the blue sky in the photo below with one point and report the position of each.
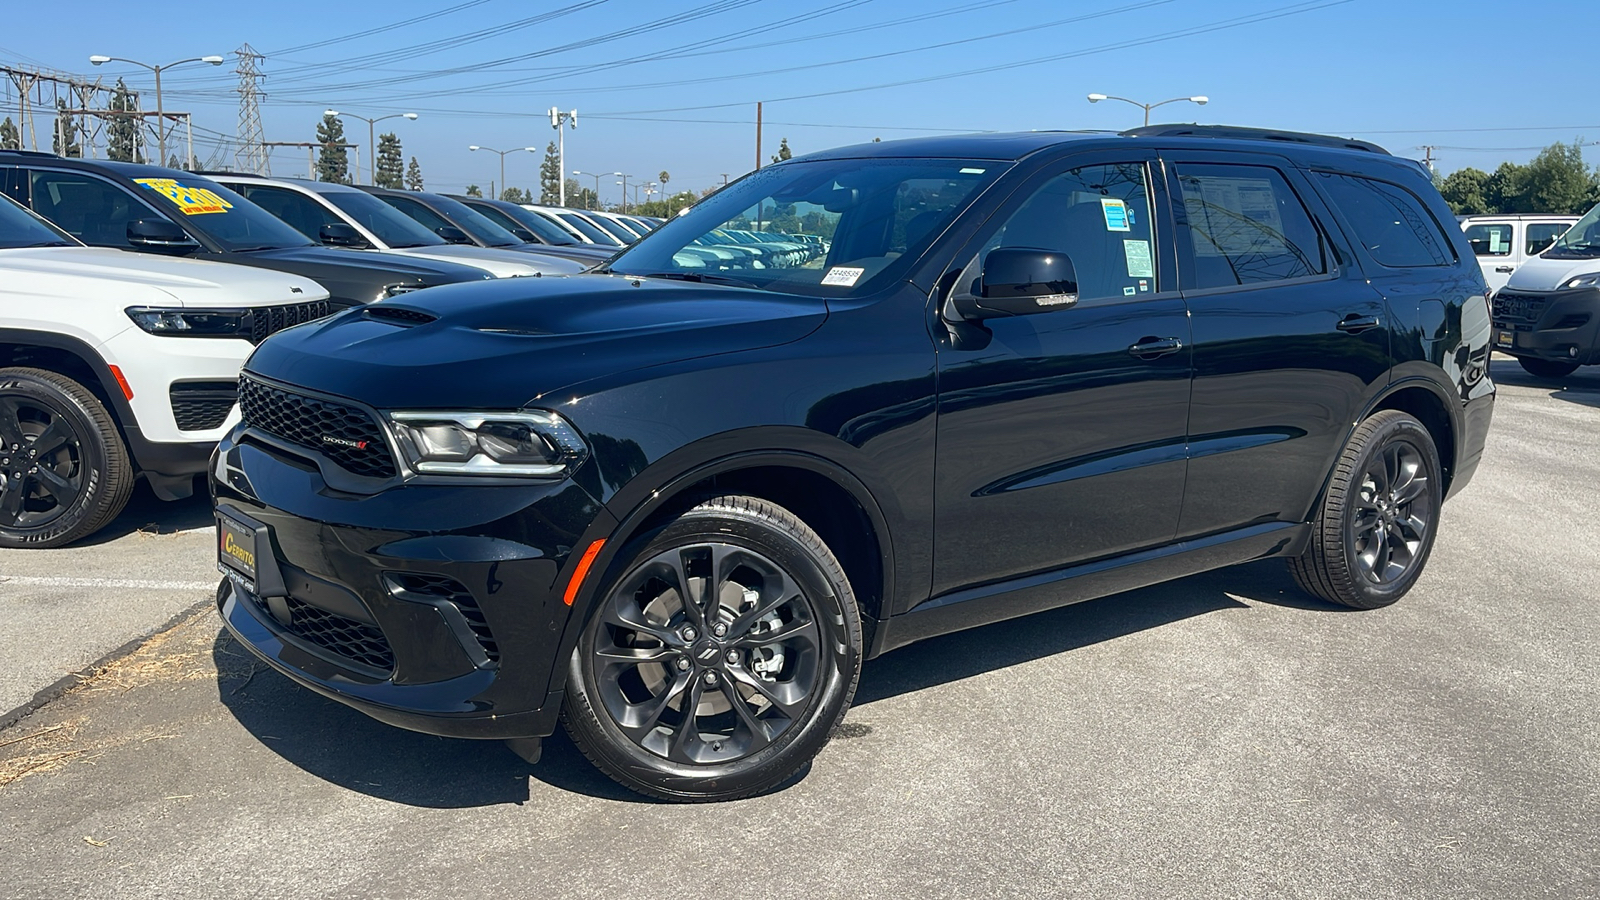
(672, 84)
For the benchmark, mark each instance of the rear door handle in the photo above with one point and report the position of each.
(1154, 348)
(1505, 269)
(1355, 324)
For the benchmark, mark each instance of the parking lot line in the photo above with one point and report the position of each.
(125, 583)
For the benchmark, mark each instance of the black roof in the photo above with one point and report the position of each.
(125, 169)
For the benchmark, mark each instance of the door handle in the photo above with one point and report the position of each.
(1507, 270)
(1355, 324)
(1154, 348)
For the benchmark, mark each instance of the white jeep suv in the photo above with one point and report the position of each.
(115, 366)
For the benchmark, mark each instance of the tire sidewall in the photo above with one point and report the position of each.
(1410, 431)
(92, 458)
(836, 617)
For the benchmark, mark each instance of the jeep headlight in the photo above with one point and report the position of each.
(526, 443)
(1582, 281)
(191, 322)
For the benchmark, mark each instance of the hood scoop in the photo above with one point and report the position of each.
(399, 315)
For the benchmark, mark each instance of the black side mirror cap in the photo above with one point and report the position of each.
(1020, 281)
(161, 235)
(452, 234)
(339, 234)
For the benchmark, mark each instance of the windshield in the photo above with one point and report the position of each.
(542, 228)
(393, 227)
(830, 228)
(1581, 240)
(475, 224)
(20, 228)
(221, 215)
(590, 230)
(614, 228)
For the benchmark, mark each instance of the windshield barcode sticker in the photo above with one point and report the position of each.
(843, 276)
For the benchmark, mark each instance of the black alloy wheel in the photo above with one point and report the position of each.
(720, 660)
(1376, 525)
(64, 471)
(1545, 368)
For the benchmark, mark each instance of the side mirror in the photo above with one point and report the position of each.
(452, 234)
(1019, 281)
(160, 235)
(339, 234)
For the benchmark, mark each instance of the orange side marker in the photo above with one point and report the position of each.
(127, 392)
(582, 570)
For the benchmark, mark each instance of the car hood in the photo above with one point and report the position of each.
(404, 269)
(86, 271)
(502, 344)
(497, 262)
(1544, 274)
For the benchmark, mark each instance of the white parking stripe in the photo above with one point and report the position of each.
(134, 583)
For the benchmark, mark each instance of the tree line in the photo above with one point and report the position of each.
(1556, 181)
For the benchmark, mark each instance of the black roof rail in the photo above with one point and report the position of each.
(42, 153)
(1241, 133)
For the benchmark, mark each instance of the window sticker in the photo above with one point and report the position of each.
(1137, 254)
(190, 201)
(1116, 213)
(843, 276)
(973, 171)
(1129, 292)
(1144, 286)
(1497, 242)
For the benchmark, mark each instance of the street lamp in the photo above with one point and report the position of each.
(1198, 101)
(502, 161)
(372, 149)
(624, 183)
(596, 176)
(161, 118)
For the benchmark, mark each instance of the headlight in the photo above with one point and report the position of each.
(1583, 281)
(529, 443)
(191, 322)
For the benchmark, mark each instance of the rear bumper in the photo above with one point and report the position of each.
(1560, 326)
(1476, 415)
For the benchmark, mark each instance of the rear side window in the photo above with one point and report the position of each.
(1542, 234)
(1490, 240)
(1391, 222)
(1246, 226)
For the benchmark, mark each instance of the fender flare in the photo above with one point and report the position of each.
(121, 409)
(1451, 406)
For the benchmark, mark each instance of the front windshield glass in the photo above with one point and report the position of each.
(20, 228)
(475, 224)
(828, 228)
(393, 227)
(543, 228)
(590, 230)
(221, 215)
(1581, 240)
(616, 230)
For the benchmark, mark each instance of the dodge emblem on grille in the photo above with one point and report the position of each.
(344, 442)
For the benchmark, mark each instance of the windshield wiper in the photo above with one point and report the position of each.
(698, 277)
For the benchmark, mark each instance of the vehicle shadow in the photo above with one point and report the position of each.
(344, 747)
(148, 513)
(1581, 387)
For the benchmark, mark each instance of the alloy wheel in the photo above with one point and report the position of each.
(41, 463)
(1393, 513)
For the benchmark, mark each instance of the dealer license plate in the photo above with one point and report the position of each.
(1503, 338)
(236, 547)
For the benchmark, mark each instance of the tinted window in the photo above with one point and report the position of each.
(546, 230)
(20, 228)
(1099, 216)
(1489, 240)
(233, 222)
(429, 219)
(90, 209)
(1246, 226)
(1390, 222)
(473, 222)
(1542, 234)
(615, 230)
(394, 228)
(304, 214)
(589, 229)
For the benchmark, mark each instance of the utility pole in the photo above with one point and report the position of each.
(758, 137)
(724, 179)
(1428, 149)
(311, 152)
(557, 119)
(251, 154)
(161, 119)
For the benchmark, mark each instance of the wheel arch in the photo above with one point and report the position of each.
(69, 356)
(1427, 403)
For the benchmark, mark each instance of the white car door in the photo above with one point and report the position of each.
(1496, 245)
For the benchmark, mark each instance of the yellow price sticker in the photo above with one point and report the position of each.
(191, 201)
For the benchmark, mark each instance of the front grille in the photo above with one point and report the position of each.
(269, 320)
(348, 638)
(1514, 307)
(202, 405)
(441, 587)
(399, 315)
(347, 435)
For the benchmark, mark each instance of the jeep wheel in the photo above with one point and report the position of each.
(719, 661)
(64, 472)
(1544, 368)
(1376, 524)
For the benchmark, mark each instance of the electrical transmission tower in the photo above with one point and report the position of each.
(252, 151)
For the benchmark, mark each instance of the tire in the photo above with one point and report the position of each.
(78, 483)
(1376, 524)
(1544, 368)
(769, 666)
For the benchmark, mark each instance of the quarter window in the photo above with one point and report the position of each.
(1542, 234)
(1490, 240)
(1392, 224)
(1246, 226)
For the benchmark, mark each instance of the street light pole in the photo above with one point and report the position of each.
(557, 119)
(161, 116)
(502, 161)
(372, 146)
(596, 178)
(624, 183)
(1196, 100)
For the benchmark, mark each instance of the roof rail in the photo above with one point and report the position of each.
(1240, 133)
(42, 153)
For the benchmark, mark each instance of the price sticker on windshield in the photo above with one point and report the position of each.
(843, 276)
(191, 201)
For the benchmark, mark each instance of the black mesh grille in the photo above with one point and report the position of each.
(399, 315)
(344, 434)
(1513, 307)
(348, 638)
(202, 405)
(441, 587)
(268, 320)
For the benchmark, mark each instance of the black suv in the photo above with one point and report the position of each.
(677, 501)
(153, 209)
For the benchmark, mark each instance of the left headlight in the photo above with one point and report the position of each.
(526, 443)
(1582, 281)
(191, 322)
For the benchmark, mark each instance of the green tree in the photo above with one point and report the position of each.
(783, 151)
(1463, 190)
(413, 176)
(663, 178)
(390, 171)
(1503, 190)
(175, 162)
(333, 162)
(579, 196)
(550, 177)
(516, 195)
(10, 138)
(474, 191)
(1557, 181)
(125, 134)
(65, 139)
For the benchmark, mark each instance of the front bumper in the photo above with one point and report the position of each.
(1560, 326)
(431, 607)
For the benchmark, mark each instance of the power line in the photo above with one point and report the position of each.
(357, 35)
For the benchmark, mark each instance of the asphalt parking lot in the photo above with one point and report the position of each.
(1219, 736)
